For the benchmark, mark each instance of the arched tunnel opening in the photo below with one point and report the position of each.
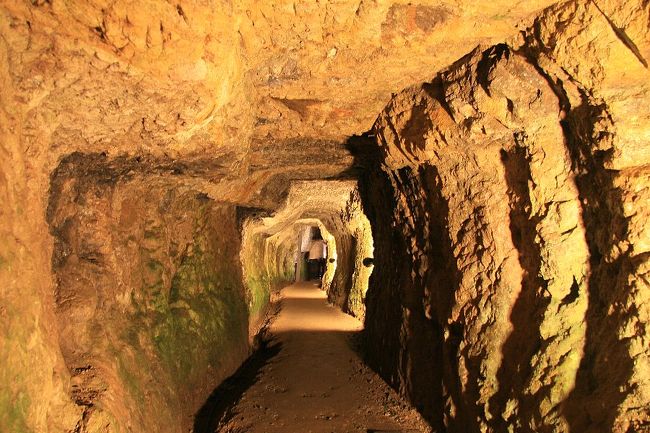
(334, 216)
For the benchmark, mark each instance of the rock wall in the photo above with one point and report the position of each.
(33, 394)
(518, 177)
(354, 254)
(267, 265)
(332, 259)
(145, 275)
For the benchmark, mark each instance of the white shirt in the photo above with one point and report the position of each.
(317, 250)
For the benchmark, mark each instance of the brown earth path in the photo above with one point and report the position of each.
(314, 381)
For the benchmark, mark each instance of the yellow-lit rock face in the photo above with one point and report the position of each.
(513, 174)
(498, 191)
(508, 202)
(192, 78)
(327, 69)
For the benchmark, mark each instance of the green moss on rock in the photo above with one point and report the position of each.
(131, 382)
(13, 411)
(189, 339)
(258, 288)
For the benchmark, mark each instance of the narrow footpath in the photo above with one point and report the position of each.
(312, 380)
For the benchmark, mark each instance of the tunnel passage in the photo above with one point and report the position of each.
(151, 271)
(312, 254)
(158, 164)
(334, 207)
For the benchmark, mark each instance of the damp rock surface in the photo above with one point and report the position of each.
(148, 291)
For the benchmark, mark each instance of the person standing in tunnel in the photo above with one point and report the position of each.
(316, 258)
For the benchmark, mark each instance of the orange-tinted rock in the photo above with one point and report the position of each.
(507, 204)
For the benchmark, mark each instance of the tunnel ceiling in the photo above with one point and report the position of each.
(309, 202)
(270, 90)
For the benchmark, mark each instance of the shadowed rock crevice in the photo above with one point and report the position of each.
(589, 135)
(625, 39)
(528, 310)
(425, 283)
(382, 341)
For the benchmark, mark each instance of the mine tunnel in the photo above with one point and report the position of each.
(334, 216)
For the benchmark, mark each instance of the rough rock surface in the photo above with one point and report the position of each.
(354, 265)
(146, 275)
(518, 176)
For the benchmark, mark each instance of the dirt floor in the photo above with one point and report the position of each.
(307, 378)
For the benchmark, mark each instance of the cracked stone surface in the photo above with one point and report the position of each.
(526, 274)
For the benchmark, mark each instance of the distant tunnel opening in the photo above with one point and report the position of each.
(320, 234)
